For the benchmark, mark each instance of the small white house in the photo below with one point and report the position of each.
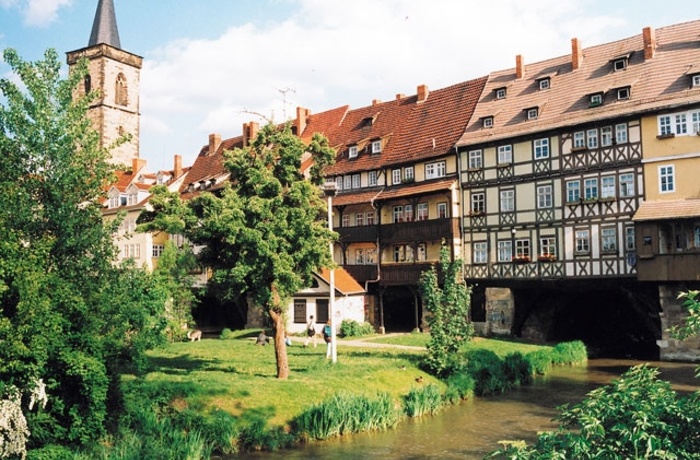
(349, 303)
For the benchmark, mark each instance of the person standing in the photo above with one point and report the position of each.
(327, 334)
(310, 331)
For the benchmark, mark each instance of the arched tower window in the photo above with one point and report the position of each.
(88, 83)
(120, 92)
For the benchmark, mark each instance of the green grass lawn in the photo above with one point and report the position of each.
(240, 377)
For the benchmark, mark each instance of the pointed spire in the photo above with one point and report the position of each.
(104, 29)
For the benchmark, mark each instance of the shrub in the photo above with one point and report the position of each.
(540, 360)
(422, 400)
(486, 369)
(569, 353)
(227, 334)
(517, 369)
(459, 386)
(257, 436)
(351, 328)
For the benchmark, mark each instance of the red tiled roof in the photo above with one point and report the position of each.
(208, 165)
(668, 209)
(344, 282)
(359, 197)
(566, 103)
(418, 188)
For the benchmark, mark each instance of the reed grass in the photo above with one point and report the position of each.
(423, 400)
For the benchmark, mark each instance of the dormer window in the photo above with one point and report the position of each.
(352, 151)
(376, 146)
(501, 93)
(695, 80)
(620, 62)
(623, 93)
(487, 122)
(532, 113)
(544, 83)
(595, 99)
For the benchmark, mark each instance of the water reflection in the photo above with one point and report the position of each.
(473, 429)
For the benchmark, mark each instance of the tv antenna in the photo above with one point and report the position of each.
(284, 100)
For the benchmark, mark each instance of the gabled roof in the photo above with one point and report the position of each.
(209, 165)
(668, 209)
(344, 282)
(657, 82)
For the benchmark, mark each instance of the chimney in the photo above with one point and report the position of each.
(376, 101)
(422, 93)
(250, 131)
(137, 164)
(214, 143)
(576, 53)
(177, 167)
(302, 115)
(649, 35)
(400, 96)
(519, 66)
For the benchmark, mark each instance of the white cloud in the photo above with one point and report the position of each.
(334, 53)
(37, 13)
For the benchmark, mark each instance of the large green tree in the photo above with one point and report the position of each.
(68, 315)
(262, 234)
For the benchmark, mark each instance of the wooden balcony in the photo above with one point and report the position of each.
(362, 273)
(424, 230)
(361, 234)
(403, 274)
(669, 267)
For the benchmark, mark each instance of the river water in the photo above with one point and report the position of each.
(472, 429)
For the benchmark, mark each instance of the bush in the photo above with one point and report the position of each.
(459, 386)
(227, 334)
(540, 360)
(569, 353)
(517, 369)
(351, 328)
(422, 400)
(486, 369)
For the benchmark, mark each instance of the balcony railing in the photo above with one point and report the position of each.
(423, 230)
(362, 273)
(357, 234)
(669, 267)
(403, 274)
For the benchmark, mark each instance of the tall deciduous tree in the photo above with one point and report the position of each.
(448, 307)
(67, 314)
(262, 234)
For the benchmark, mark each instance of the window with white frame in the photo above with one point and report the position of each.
(398, 214)
(372, 178)
(478, 201)
(590, 188)
(579, 140)
(359, 219)
(409, 253)
(442, 211)
(620, 64)
(606, 136)
(607, 187)
(132, 251)
(548, 246)
(582, 241)
(408, 213)
(621, 133)
(596, 99)
(667, 179)
(679, 124)
(626, 185)
(114, 201)
(573, 191)
(544, 196)
(347, 182)
(695, 122)
(501, 93)
(370, 256)
(476, 159)
(544, 83)
(608, 239)
(339, 182)
(408, 173)
(360, 256)
(522, 248)
(435, 170)
(399, 253)
(356, 181)
(541, 148)
(592, 138)
(487, 122)
(505, 251)
(505, 154)
(422, 211)
(665, 127)
(376, 146)
(132, 199)
(345, 222)
(507, 200)
(352, 151)
(370, 217)
(157, 250)
(695, 80)
(480, 252)
(396, 176)
(623, 93)
(532, 113)
(630, 243)
(421, 252)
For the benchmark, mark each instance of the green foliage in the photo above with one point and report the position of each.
(68, 315)
(460, 385)
(258, 436)
(569, 353)
(344, 413)
(540, 360)
(227, 334)
(691, 327)
(423, 400)
(636, 416)
(488, 372)
(517, 369)
(352, 328)
(449, 313)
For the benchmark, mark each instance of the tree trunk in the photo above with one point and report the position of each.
(280, 346)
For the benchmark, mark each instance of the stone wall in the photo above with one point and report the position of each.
(674, 314)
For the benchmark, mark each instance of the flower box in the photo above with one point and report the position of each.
(521, 260)
(547, 258)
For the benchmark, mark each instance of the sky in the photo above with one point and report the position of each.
(212, 65)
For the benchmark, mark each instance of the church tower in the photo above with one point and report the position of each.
(116, 75)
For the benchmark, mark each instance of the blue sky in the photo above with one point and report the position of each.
(211, 65)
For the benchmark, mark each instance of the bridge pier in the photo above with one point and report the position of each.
(674, 314)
